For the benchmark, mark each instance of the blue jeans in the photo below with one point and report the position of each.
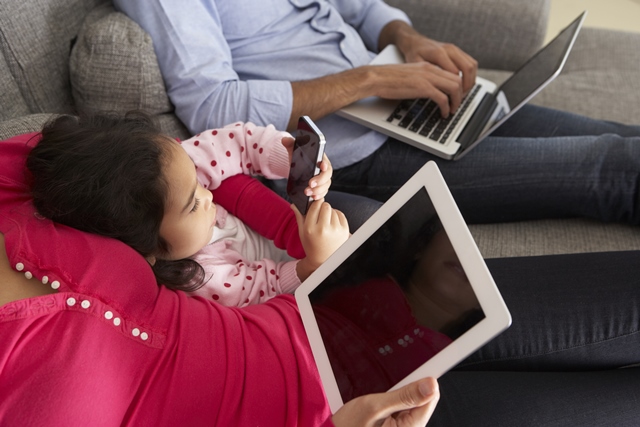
(576, 323)
(541, 163)
(576, 318)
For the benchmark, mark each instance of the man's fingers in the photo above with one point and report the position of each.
(469, 68)
(448, 94)
(443, 58)
(454, 60)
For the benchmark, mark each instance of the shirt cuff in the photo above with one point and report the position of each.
(270, 102)
(377, 18)
(289, 280)
(279, 158)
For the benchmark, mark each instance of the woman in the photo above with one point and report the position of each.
(89, 338)
(110, 347)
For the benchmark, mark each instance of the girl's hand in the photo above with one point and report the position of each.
(410, 406)
(318, 185)
(288, 142)
(322, 231)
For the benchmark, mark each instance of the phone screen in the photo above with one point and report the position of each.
(307, 154)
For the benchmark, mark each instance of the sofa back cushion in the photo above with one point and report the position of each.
(35, 41)
(113, 66)
(11, 101)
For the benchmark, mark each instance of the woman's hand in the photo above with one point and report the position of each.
(322, 231)
(409, 406)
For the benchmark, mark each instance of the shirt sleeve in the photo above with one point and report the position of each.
(274, 220)
(238, 149)
(369, 17)
(235, 282)
(196, 64)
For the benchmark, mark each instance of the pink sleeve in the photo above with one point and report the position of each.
(238, 149)
(274, 219)
(235, 282)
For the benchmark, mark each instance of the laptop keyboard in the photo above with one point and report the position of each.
(422, 116)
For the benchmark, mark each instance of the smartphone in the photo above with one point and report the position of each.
(308, 149)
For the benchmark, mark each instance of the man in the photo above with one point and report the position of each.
(272, 61)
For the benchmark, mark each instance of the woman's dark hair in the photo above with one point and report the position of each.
(102, 173)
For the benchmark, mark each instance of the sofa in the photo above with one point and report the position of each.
(66, 56)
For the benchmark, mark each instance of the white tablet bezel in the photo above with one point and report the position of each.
(497, 317)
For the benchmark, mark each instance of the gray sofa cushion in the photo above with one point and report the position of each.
(560, 236)
(169, 124)
(35, 40)
(11, 99)
(23, 124)
(113, 66)
(600, 79)
(491, 31)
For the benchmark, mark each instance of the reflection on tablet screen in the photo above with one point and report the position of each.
(398, 300)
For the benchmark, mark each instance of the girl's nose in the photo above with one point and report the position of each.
(208, 199)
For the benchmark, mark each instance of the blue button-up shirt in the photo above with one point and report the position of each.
(233, 60)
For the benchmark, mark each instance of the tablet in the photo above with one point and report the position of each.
(407, 296)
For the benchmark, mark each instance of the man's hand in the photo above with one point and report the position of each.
(456, 66)
(417, 48)
(439, 71)
(322, 231)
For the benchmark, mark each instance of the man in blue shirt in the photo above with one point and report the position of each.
(271, 61)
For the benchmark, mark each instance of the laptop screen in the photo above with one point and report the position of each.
(540, 68)
(395, 302)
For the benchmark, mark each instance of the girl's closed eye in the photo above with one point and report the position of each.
(195, 205)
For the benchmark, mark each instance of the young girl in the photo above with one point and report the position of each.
(121, 177)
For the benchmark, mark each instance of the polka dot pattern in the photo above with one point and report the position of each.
(220, 153)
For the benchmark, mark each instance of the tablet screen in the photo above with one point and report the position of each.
(395, 302)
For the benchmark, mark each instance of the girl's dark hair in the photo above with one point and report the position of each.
(102, 173)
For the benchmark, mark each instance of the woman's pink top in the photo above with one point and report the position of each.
(113, 348)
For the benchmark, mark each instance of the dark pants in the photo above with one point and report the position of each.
(576, 321)
(541, 163)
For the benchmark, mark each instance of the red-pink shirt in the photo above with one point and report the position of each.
(113, 348)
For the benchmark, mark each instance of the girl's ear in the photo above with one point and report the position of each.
(151, 260)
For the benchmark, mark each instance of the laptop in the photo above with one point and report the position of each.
(407, 296)
(418, 122)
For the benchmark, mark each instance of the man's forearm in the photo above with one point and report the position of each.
(319, 97)
(394, 33)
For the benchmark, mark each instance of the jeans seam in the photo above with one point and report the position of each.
(549, 352)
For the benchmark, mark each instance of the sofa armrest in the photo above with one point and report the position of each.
(500, 34)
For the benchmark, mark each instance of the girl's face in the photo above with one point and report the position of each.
(190, 213)
(439, 276)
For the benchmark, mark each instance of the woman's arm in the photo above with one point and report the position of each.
(409, 406)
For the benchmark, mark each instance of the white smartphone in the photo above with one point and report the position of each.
(308, 150)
